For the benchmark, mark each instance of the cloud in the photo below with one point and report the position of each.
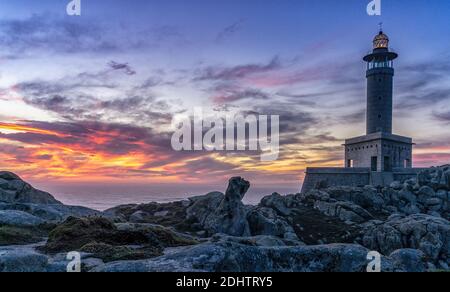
(122, 66)
(442, 116)
(229, 93)
(76, 97)
(241, 71)
(230, 30)
(54, 34)
(50, 33)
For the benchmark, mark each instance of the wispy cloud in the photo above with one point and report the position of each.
(123, 67)
(230, 30)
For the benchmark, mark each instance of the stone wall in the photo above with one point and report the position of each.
(330, 177)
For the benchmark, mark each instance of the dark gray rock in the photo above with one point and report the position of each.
(277, 203)
(411, 260)
(231, 215)
(19, 218)
(429, 234)
(14, 190)
(339, 203)
(266, 221)
(50, 213)
(235, 257)
(203, 206)
(22, 260)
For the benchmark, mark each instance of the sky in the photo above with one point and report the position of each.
(90, 98)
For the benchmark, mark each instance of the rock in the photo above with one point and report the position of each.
(411, 260)
(266, 221)
(161, 213)
(74, 233)
(410, 209)
(366, 197)
(277, 203)
(346, 211)
(138, 217)
(425, 193)
(407, 196)
(436, 177)
(434, 202)
(396, 185)
(202, 206)
(14, 190)
(423, 177)
(429, 234)
(260, 240)
(235, 257)
(442, 194)
(9, 176)
(14, 235)
(109, 253)
(22, 261)
(50, 213)
(231, 215)
(166, 237)
(166, 214)
(19, 218)
(339, 202)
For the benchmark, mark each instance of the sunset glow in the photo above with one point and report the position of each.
(92, 98)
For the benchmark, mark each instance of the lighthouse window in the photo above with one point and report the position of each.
(379, 98)
(379, 116)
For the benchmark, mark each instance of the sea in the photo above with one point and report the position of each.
(103, 196)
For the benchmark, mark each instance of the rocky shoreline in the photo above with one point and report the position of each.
(324, 230)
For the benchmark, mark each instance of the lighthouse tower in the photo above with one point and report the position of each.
(379, 149)
(380, 75)
(379, 157)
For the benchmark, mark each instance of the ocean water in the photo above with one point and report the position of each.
(102, 197)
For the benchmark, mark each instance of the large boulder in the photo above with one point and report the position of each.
(14, 190)
(166, 214)
(435, 177)
(238, 257)
(22, 261)
(49, 213)
(338, 203)
(278, 203)
(266, 221)
(429, 234)
(412, 260)
(346, 211)
(202, 207)
(230, 217)
(19, 218)
(74, 233)
(21, 235)
(365, 197)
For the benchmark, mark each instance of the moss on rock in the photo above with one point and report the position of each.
(110, 253)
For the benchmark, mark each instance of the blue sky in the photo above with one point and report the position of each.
(125, 67)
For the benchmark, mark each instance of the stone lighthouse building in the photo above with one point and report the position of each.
(379, 149)
(379, 157)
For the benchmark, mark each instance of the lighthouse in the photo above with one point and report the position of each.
(380, 75)
(379, 157)
(380, 150)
